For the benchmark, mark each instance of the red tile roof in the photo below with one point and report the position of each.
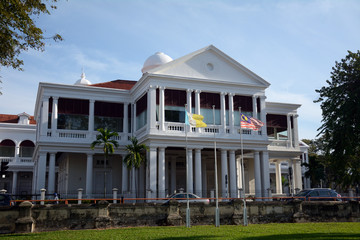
(117, 84)
(8, 118)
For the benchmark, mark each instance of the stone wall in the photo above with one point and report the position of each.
(36, 218)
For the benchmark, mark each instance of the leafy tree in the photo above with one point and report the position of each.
(19, 31)
(105, 139)
(136, 155)
(340, 104)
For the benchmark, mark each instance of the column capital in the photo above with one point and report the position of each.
(55, 98)
(45, 97)
(295, 115)
(89, 154)
(161, 149)
(162, 88)
(262, 97)
(91, 100)
(152, 87)
(223, 93)
(231, 94)
(52, 153)
(189, 90)
(197, 91)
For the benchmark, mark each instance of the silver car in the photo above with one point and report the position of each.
(182, 197)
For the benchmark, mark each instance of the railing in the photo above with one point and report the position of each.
(71, 134)
(26, 160)
(279, 143)
(175, 127)
(7, 159)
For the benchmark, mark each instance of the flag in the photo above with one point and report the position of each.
(194, 120)
(251, 123)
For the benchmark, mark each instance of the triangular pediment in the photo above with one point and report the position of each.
(210, 63)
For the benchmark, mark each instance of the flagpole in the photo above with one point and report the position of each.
(217, 214)
(187, 174)
(242, 171)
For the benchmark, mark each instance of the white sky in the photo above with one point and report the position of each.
(291, 44)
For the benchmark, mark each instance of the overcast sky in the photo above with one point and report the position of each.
(291, 44)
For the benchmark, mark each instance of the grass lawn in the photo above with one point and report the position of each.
(251, 232)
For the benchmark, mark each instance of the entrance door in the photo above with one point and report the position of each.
(99, 184)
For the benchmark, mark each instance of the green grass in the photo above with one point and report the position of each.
(255, 231)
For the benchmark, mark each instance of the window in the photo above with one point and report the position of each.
(175, 101)
(73, 114)
(109, 115)
(277, 126)
(207, 100)
(27, 148)
(141, 112)
(7, 148)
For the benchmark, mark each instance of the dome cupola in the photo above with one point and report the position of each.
(83, 81)
(155, 60)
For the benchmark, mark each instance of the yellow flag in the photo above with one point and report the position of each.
(194, 120)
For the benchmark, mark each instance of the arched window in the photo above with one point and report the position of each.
(7, 148)
(27, 148)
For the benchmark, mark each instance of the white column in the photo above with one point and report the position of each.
(198, 174)
(254, 106)
(91, 116)
(134, 118)
(17, 152)
(257, 174)
(190, 179)
(126, 119)
(14, 182)
(161, 172)
(278, 177)
(51, 176)
(41, 172)
(188, 100)
(263, 115)
(162, 108)
(151, 109)
(152, 171)
(296, 133)
(125, 176)
(224, 173)
(89, 174)
(44, 116)
(231, 112)
(232, 167)
(297, 174)
(239, 172)
(265, 175)
(223, 112)
(173, 175)
(197, 105)
(289, 132)
(54, 116)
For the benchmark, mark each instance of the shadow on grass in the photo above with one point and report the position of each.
(339, 236)
(201, 237)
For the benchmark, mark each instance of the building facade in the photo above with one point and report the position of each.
(206, 82)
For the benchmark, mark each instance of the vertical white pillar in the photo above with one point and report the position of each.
(197, 105)
(223, 112)
(125, 176)
(161, 182)
(44, 116)
(224, 173)
(162, 108)
(239, 172)
(152, 171)
(289, 132)
(54, 116)
(188, 100)
(257, 174)
(254, 105)
(296, 133)
(14, 183)
(190, 180)
(51, 180)
(263, 115)
(265, 175)
(126, 119)
(41, 171)
(151, 109)
(231, 112)
(134, 118)
(89, 175)
(17, 152)
(198, 173)
(278, 177)
(91, 118)
(297, 174)
(232, 167)
(173, 175)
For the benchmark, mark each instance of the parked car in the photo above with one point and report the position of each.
(182, 197)
(5, 199)
(318, 194)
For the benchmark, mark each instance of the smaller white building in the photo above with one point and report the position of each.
(17, 143)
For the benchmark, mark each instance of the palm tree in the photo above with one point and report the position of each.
(136, 155)
(105, 139)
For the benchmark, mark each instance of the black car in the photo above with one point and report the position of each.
(5, 199)
(318, 194)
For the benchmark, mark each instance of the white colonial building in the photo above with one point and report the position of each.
(152, 109)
